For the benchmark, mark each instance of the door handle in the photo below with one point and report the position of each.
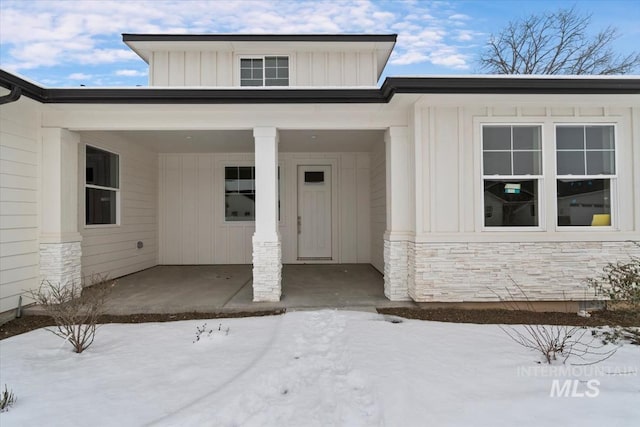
(299, 225)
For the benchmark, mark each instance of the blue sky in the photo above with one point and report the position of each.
(69, 42)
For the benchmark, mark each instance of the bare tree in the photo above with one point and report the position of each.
(555, 43)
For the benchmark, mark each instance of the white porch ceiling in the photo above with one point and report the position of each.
(241, 141)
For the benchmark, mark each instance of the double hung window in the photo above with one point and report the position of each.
(102, 186)
(511, 175)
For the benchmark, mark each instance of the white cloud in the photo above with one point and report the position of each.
(105, 56)
(454, 60)
(79, 76)
(409, 58)
(44, 34)
(131, 73)
(460, 17)
(469, 35)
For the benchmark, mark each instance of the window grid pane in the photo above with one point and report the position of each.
(251, 72)
(571, 162)
(511, 150)
(585, 150)
(276, 71)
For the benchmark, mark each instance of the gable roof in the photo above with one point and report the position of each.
(380, 44)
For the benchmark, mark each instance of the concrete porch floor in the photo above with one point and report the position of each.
(228, 288)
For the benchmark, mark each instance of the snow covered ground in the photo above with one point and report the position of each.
(317, 368)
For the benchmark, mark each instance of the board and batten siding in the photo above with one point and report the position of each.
(211, 68)
(378, 205)
(19, 206)
(451, 200)
(191, 201)
(112, 250)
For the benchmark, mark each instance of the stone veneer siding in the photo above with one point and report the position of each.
(396, 270)
(267, 271)
(545, 271)
(60, 263)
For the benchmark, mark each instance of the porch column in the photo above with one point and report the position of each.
(60, 249)
(398, 238)
(267, 253)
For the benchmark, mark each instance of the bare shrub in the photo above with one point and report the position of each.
(204, 331)
(619, 283)
(553, 342)
(7, 399)
(74, 310)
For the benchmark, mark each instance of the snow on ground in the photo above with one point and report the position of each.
(316, 368)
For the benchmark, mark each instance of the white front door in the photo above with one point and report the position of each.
(314, 212)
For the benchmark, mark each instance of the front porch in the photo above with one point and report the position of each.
(203, 220)
(228, 288)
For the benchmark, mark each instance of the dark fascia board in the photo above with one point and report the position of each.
(213, 96)
(10, 81)
(510, 85)
(391, 86)
(259, 37)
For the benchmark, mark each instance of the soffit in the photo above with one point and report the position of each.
(241, 141)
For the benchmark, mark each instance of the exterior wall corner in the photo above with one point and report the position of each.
(397, 269)
(60, 263)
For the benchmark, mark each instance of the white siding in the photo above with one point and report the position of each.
(192, 226)
(208, 75)
(112, 250)
(192, 69)
(19, 182)
(449, 138)
(350, 68)
(210, 68)
(176, 68)
(446, 204)
(378, 205)
(159, 69)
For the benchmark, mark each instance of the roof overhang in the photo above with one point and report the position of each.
(145, 44)
(594, 85)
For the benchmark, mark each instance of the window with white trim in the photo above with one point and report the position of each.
(586, 174)
(102, 186)
(511, 175)
(240, 193)
(264, 71)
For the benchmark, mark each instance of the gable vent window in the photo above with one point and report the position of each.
(264, 71)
